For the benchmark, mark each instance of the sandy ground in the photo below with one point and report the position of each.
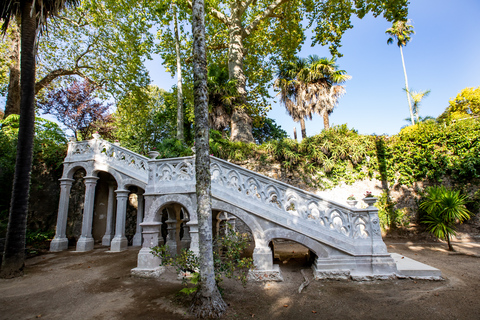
(98, 285)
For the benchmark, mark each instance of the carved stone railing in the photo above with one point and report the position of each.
(104, 153)
(333, 223)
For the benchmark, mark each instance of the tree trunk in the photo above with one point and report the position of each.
(450, 247)
(180, 134)
(302, 126)
(295, 133)
(208, 302)
(406, 87)
(241, 123)
(14, 255)
(326, 120)
(13, 96)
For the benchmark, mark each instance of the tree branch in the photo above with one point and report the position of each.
(266, 14)
(214, 12)
(52, 75)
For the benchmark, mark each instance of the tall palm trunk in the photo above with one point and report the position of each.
(14, 255)
(406, 87)
(180, 134)
(208, 302)
(13, 96)
(302, 126)
(326, 120)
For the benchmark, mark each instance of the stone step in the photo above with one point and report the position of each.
(409, 268)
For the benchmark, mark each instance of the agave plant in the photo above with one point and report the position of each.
(444, 208)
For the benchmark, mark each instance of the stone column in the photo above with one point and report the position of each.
(120, 242)
(148, 265)
(171, 236)
(137, 238)
(60, 242)
(264, 270)
(185, 242)
(194, 243)
(107, 238)
(85, 243)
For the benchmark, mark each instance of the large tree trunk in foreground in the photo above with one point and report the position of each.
(208, 302)
(13, 96)
(14, 255)
(180, 134)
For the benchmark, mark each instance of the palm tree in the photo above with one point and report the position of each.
(291, 91)
(33, 16)
(444, 207)
(323, 80)
(310, 86)
(417, 98)
(222, 94)
(401, 31)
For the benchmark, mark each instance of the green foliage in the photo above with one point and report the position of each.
(444, 208)
(427, 151)
(465, 105)
(49, 150)
(172, 148)
(390, 218)
(227, 256)
(34, 238)
(269, 130)
(143, 120)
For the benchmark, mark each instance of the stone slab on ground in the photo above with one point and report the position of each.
(410, 268)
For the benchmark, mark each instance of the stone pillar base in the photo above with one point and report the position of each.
(59, 244)
(266, 275)
(119, 244)
(356, 268)
(147, 273)
(85, 244)
(107, 240)
(137, 240)
(148, 265)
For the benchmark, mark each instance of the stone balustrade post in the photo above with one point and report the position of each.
(85, 243)
(120, 242)
(60, 242)
(185, 242)
(107, 238)
(137, 238)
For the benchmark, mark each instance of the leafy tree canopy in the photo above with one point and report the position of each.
(465, 105)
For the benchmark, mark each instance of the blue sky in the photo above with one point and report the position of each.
(443, 56)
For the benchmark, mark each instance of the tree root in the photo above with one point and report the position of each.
(208, 307)
(305, 283)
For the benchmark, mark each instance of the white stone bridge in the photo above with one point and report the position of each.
(346, 241)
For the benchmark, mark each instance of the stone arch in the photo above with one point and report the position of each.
(70, 169)
(114, 173)
(316, 247)
(153, 211)
(246, 217)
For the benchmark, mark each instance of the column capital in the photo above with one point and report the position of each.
(122, 193)
(90, 179)
(66, 181)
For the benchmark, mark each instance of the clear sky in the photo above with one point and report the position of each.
(443, 56)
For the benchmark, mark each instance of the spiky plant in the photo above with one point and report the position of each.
(444, 208)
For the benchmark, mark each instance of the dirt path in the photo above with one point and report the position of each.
(97, 285)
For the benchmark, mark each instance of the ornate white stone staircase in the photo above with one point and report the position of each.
(346, 241)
